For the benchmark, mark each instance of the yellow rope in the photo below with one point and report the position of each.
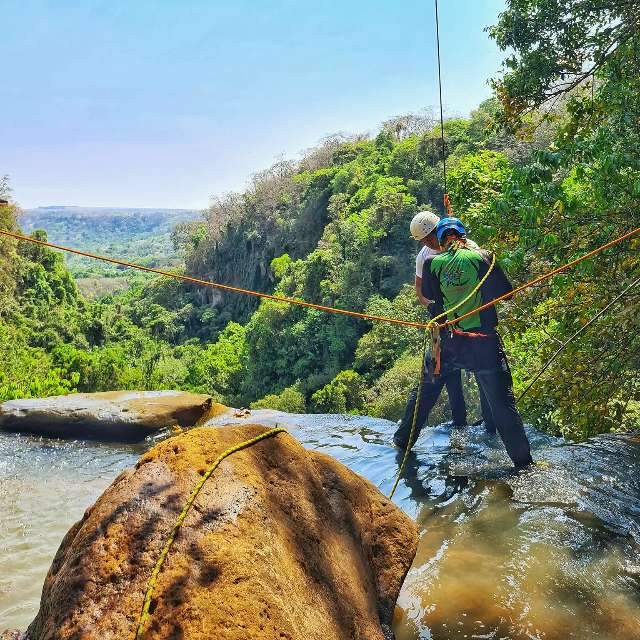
(415, 416)
(144, 614)
(432, 324)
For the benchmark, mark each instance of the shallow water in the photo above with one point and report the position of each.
(552, 553)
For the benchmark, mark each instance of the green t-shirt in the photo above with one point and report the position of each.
(458, 272)
(449, 277)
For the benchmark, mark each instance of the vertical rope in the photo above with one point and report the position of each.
(444, 158)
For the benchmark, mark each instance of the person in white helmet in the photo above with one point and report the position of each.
(423, 229)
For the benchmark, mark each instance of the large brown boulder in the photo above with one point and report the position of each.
(112, 415)
(281, 543)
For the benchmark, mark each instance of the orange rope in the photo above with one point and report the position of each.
(544, 276)
(355, 314)
(207, 283)
(447, 205)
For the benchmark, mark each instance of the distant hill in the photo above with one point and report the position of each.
(71, 225)
(134, 234)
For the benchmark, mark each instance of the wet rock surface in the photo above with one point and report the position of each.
(110, 416)
(549, 554)
(281, 543)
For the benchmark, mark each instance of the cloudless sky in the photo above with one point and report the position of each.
(164, 103)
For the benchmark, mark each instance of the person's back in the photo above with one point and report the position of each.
(473, 343)
(422, 229)
(451, 276)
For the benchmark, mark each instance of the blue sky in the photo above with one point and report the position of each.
(164, 103)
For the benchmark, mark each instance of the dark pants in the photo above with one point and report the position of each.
(485, 408)
(429, 395)
(456, 398)
(484, 356)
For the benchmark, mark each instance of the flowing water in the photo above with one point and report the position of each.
(552, 553)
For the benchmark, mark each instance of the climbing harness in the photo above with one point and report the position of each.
(148, 596)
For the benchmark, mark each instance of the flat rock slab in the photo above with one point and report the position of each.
(113, 415)
(282, 543)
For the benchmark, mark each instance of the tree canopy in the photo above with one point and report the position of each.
(543, 172)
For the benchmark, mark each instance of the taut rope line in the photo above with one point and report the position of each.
(573, 336)
(319, 307)
(217, 285)
(444, 151)
(544, 276)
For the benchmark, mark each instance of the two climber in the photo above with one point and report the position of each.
(449, 267)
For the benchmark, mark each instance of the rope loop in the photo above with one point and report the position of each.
(447, 205)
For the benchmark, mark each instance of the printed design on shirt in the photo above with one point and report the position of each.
(458, 272)
(452, 276)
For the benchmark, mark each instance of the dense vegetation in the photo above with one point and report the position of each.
(136, 235)
(544, 172)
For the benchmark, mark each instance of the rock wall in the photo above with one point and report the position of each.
(282, 543)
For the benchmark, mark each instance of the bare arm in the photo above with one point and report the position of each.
(421, 298)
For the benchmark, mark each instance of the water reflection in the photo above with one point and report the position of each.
(550, 553)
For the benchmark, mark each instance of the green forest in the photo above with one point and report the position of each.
(543, 172)
(142, 236)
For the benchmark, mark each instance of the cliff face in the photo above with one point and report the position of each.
(280, 543)
(243, 235)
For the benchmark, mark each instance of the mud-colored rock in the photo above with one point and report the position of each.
(281, 543)
(113, 415)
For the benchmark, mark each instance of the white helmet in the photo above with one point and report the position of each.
(423, 224)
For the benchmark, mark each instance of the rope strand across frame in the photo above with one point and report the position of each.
(319, 307)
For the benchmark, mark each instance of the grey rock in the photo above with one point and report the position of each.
(113, 416)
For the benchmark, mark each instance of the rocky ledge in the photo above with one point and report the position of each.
(281, 543)
(114, 415)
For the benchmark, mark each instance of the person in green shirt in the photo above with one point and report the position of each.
(473, 343)
(423, 229)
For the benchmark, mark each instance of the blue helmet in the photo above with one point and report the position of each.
(449, 224)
